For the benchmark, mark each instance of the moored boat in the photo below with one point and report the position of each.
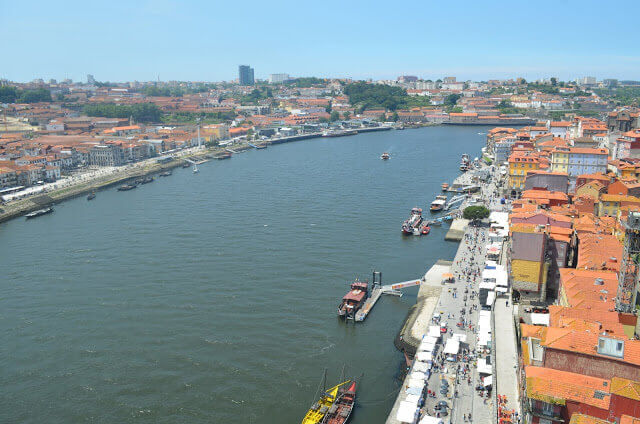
(341, 409)
(385, 156)
(425, 230)
(465, 162)
(39, 212)
(145, 180)
(414, 221)
(221, 156)
(445, 186)
(354, 299)
(186, 165)
(91, 195)
(439, 203)
(127, 187)
(165, 174)
(319, 410)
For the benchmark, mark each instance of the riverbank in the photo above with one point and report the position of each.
(20, 207)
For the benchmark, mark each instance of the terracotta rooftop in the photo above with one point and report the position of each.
(556, 387)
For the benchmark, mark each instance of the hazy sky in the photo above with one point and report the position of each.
(207, 40)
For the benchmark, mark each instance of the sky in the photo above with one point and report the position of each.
(194, 40)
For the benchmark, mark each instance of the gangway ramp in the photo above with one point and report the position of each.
(377, 291)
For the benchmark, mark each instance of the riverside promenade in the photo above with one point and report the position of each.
(465, 403)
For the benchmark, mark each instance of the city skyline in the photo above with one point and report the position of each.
(126, 42)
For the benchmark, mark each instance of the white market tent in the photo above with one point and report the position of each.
(487, 381)
(424, 356)
(452, 347)
(421, 366)
(426, 419)
(413, 391)
(434, 331)
(486, 285)
(483, 367)
(431, 339)
(413, 399)
(417, 375)
(491, 297)
(407, 412)
(426, 347)
(484, 339)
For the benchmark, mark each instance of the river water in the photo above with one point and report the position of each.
(211, 297)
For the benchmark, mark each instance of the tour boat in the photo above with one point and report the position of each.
(145, 180)
(91, 196)
(385, 156)
(439, 203)
(221, 156)
(445, 186)
(465, 162)
(165, 173)
(341, 409)
(354, 299)
(414, 221)
(39, 212)
(319, 410)
(425, 230)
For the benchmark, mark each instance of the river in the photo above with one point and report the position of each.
(211, 297)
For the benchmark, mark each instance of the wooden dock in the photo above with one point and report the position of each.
(369, 304)
(378, 291)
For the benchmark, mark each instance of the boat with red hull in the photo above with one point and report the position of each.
(341, 409)
(354, 299)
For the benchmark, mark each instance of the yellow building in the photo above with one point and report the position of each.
(215, 132)
(610, 204)
(520, 163)
(560, 161)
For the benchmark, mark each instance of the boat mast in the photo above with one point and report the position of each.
(323, 383)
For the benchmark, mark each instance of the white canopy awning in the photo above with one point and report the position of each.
(412, 398)
(426, 419)
(484, 339)
(487, 381)
(434, 331)
(424, 356)
(483, 367)
(417, 375)
(407, 412)
(426, 347)
(452, 347)
(413, 391)
(421, 366)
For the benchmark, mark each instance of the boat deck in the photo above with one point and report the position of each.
(368, 304)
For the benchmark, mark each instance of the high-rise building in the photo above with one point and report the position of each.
(278, 78)
(245, 75)
(90, 79)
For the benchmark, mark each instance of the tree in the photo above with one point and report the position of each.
(554, 81)
(335, 116)
(346, 116)
(394, 117)
(451, 99)
(475, 213)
